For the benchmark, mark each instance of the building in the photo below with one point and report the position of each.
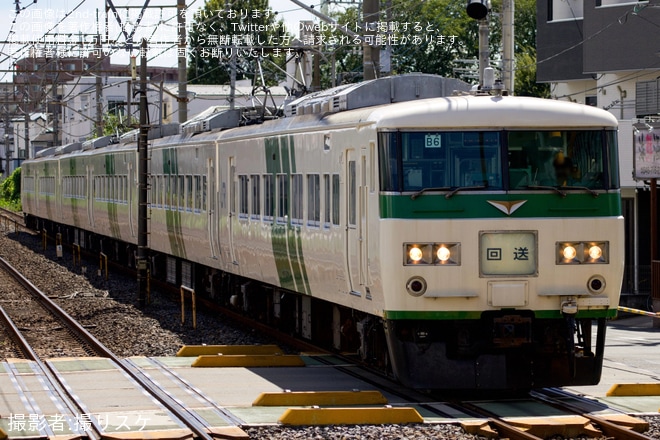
(605, 53)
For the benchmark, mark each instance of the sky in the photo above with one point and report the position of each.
(65, 21)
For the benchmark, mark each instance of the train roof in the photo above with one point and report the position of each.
(414, 101)
(495, 112)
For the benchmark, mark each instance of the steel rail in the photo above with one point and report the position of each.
(174, 407)
(70, 402)
(608, 428)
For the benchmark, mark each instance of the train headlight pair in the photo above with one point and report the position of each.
(583, 252)
(437, 254)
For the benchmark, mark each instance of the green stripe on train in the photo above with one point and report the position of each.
(172, 214)
(285, 237)
(113, 216)
(465, 205)
(396, 315)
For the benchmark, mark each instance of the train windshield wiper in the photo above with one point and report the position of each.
(561, 190)
(553, 188)
(423, 190)
(461, 188)
(584, 188)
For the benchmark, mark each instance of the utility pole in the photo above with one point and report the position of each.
(99, 85)
(370, 53)
(6, 137)
(507, 45)
(181, 58)
(56, 109)
(143, 169)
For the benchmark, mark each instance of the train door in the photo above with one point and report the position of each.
(212, 208)
(354, 220)
(90, 196)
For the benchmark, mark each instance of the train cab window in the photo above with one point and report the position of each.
(420, 160)
(561, 158)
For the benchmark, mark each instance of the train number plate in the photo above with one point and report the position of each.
(512, 331)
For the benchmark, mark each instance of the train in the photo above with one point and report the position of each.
(458, 239)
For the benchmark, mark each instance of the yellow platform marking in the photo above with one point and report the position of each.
(349, 416)
(248, 361)
(634, 389)
(320, 398)
(199, 350)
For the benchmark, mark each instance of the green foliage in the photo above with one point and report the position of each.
(113, 125)
(525, 79)
(210, 52)
(439, 34)
(10, 191)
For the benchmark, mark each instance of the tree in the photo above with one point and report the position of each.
(11, 191)
(249, 26)
(432, 36)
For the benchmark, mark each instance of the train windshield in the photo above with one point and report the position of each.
(497, 160)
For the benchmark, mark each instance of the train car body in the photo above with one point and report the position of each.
(464, 242)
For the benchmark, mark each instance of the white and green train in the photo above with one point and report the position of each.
(460, 240)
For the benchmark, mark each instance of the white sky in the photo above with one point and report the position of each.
(38, 18)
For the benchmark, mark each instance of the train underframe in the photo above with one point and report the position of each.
(503, 350)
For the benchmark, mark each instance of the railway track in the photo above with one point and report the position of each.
(80, 343)
(500, 424)
(38, 326)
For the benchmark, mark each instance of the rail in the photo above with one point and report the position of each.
(176, 407)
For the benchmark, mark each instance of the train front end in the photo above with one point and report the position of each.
(501, 241)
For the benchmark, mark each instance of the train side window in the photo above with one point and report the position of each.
(313, 200)
(326, 200)
(181, 193)
(269, 197)
(352, 189)
(198, 193)
(255, 183)
(242, 196)
(297, 198)
(204, 189)
(189, 193)
(282, 197)
(335, 199)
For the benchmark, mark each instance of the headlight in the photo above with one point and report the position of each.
(582, 252)
(432, 254)
(595, 252)
(415, 254)
(569, 252)
(443, 253)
